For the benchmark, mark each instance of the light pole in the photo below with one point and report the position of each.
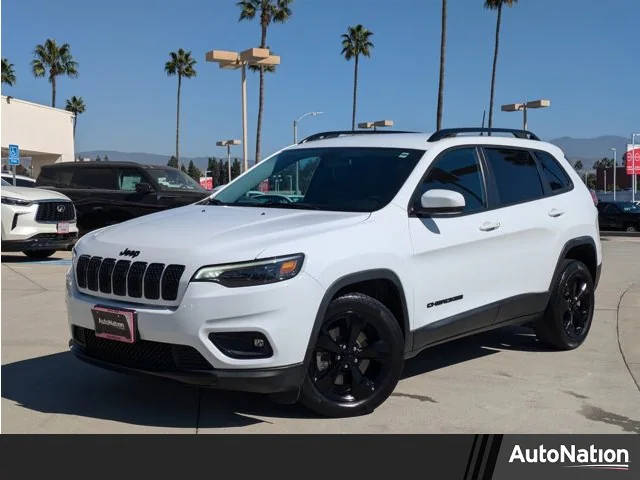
(374, 125)
(615, 167)
(228, 143)
(524, 106)
(235, 60)
(297, 120)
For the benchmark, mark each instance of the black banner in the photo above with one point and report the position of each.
(466, 457)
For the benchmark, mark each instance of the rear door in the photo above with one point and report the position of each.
(91, 189)
(525, 240)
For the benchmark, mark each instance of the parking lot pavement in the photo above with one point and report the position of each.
(501, 381)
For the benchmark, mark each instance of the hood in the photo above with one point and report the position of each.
(211, 234)
(32, 194)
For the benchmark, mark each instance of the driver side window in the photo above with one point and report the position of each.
(457, 170)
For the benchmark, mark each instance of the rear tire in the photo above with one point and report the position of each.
(40, 254)
(567, 319)
(357, 358)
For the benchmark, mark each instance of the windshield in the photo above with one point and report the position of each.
(354, 179)
(173, 179)
(5, 183)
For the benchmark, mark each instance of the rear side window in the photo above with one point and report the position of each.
(457, 170)
(516, 175)
(103, 178)
(553, 173)
(55, 177)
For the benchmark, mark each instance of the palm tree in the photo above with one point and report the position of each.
(77, 106)
(355, 43)
(495, 5)
(277, 11)
(54, 60)
(8, 75)
(181, 64)
(443, 47)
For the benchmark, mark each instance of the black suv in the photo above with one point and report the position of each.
(619, 216)
(105, 193)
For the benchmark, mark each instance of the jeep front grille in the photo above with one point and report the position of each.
(55, 212)
(124, 278)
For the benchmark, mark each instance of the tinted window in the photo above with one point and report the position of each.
(611, 209)
(128, 178)
(553, 173)
(55, 176)
(457, 170)
(21, 182)
(91, 177)
(516, 175)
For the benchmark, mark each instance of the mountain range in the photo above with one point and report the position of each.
(587, 150)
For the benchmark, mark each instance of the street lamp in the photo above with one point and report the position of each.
(523, 107)
(235, 60)
(297, 120)
(615, 167)
(228, 143)
(374, 125)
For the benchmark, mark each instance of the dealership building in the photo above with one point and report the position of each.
(43, 134)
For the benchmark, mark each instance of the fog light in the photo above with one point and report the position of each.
(242, 344)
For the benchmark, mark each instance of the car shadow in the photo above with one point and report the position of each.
(9, 258)
(61, 384)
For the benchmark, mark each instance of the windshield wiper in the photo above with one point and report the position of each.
(215, 201)
(297, 205)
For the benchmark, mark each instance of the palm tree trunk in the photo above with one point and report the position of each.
(178, 121)
(355, 90)
(263, 44)
(443, 47)
(495, 62)
(53, 91)
(75, 121)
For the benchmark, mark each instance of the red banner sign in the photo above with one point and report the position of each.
(206, 183)
(633, 160)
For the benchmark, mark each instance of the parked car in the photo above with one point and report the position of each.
(106, 193)
(401, 242)
(35, 221)
(21, 180)
(619, 216)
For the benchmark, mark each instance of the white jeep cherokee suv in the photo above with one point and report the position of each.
(391, 243)
(36, 221)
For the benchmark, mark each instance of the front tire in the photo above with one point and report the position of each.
(567, 319)
(39, 254)
(357, 358)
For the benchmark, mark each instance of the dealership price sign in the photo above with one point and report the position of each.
(633, 160)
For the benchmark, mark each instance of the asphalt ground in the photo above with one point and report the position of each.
(501, 381)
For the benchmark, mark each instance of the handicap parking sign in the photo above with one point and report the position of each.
(14, 155)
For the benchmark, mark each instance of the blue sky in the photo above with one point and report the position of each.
(578, 53)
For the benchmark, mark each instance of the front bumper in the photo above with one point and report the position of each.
(262, 380)
(42, 241)
(283, 312)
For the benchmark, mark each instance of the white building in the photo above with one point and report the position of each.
(44, 134)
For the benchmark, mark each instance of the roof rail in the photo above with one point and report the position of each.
(339, 133)
(453, 132)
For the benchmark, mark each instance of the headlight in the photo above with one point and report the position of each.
(258, 272)
(15, 201)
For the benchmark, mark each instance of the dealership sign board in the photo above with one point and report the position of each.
(206, 183)
(633, 160)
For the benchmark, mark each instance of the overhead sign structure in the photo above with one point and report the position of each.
(14, 155)
(633, 160)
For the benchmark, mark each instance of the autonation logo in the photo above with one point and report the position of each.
(592, 457)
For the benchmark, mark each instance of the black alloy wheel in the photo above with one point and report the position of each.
(357, 358)
(567, 319)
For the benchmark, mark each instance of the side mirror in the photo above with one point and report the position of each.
(143, 187)
(441, 201)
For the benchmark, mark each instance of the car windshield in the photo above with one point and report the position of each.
(5, 183)
(629, 207)
(353, 179)
(173, 179)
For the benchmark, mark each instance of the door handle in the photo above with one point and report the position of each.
(489, 226)
(554, 212)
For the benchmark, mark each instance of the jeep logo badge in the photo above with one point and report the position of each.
(130, 253)
(60, 208)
